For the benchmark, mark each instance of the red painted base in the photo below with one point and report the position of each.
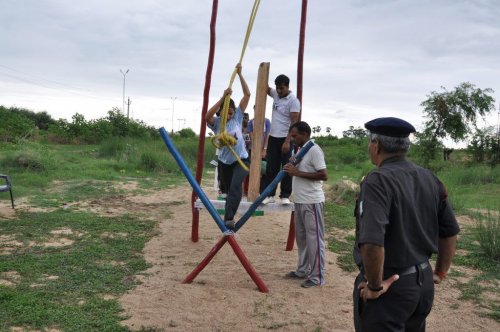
(241, 256)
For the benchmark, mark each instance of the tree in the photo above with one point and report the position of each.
(186, 133)
(354, 132)
(14, 125)
(484, 145)
(453, 114)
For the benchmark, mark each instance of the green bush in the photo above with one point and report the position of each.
(119, 149)
(111, 148)
(80, 130)
(149, 161)
(186, 133)
(488, 234)
(14, 126)
(31, 156)
(42, 120)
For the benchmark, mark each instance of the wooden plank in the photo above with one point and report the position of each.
(258, 129)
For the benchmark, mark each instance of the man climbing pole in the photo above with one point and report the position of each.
(232, 171)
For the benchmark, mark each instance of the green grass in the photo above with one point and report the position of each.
(94, 265)
(72, 173)
(478, 248)
(87, 270)
(105, 256)
(341, 217)
(472, 187)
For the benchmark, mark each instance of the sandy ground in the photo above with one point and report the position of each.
(223, 297)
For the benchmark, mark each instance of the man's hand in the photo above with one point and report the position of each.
(228, 91)
(368, 294)
(438, 276)
(290, 169)
(285, 147)
(238, 68)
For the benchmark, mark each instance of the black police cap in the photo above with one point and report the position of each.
(392, 127)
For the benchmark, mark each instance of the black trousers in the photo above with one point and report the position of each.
(404, 307)
(275, 161)
(232, 178)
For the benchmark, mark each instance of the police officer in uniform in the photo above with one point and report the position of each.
(402, 218)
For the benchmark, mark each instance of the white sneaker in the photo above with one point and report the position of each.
(267, 200)
(285, 201)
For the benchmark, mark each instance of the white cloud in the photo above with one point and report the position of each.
(362, 58)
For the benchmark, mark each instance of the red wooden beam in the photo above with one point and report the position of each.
(241, 256)
(201, 141)
(300, 70)
(246, 264)
(189, 279)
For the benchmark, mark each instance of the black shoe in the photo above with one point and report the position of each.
(308, 284)
(229, 224)
(293, 275)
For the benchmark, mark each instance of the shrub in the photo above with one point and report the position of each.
(14, 126)
(149, 161)
(343, 192)
(30, 156)
(488, 234)
(117, 148)
(59, 132)
(186, 133)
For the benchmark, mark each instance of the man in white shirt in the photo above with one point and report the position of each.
(286, 111)
(308, 176)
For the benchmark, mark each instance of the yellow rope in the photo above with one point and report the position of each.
(223, 138)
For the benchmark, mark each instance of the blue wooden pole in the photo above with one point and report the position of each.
(203, 197)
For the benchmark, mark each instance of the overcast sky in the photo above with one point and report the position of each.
(363, 58)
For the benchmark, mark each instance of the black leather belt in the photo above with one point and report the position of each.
(412, 269)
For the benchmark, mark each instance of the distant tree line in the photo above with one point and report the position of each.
(18, 123)
(449, 115)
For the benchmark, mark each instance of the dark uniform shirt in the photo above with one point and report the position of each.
(403, 208)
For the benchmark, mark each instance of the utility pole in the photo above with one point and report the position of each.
(124, 74)
(128, 106)
(179, 125)
(173, 104)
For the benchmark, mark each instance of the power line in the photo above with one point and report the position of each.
(65, 88)
(41, 78)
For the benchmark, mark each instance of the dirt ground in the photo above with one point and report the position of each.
(223, 297)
